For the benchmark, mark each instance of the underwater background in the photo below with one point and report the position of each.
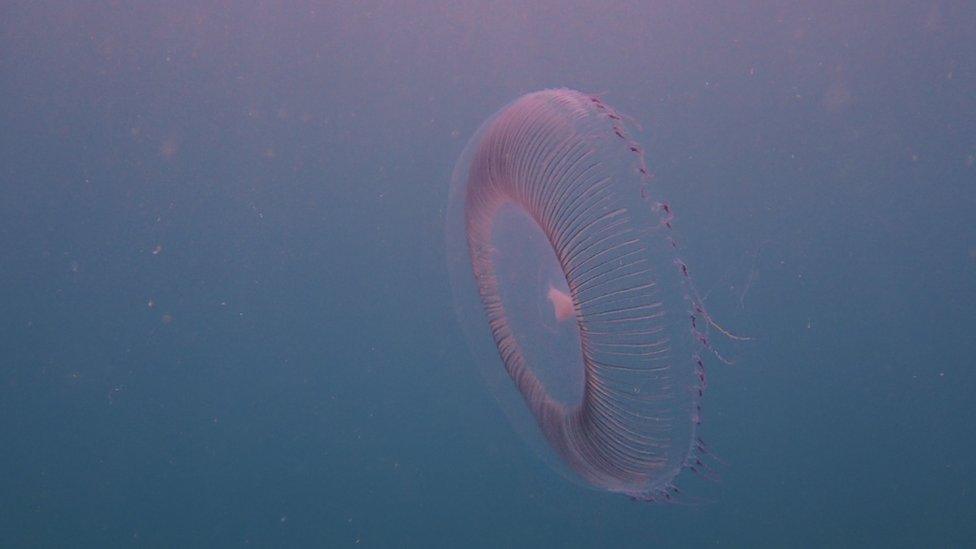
(225, 304)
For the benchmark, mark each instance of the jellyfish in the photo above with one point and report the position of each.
(567, 283)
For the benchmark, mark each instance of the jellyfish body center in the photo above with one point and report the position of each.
(538, 304)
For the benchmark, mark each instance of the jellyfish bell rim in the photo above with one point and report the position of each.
(466, 306)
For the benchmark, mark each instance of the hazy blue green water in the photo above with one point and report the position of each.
(226, 314)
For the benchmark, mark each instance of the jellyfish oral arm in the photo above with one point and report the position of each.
(562, 304)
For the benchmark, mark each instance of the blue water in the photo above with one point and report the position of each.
(227, 319)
